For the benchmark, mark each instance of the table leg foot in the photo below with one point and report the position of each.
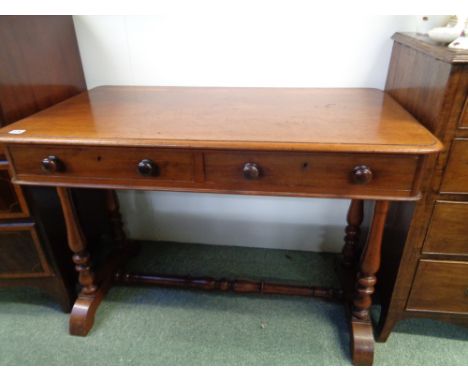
(84, 309)
(82, 315)
(362, 342)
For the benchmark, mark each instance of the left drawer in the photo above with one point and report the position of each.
(131, 165)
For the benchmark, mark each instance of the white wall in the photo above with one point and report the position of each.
(237, 47)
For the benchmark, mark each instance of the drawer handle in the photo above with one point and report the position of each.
(251, 171)
(147, 167)
(362, 174)
(51, 164)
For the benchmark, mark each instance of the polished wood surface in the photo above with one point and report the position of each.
(295, 174)
(464, 118)
(363, 341)
(40, 64)
(354, 219)
(440, 286)
(455, 180)
(77, 242)
(431, 81)
(315, 174)
(81, 162)
(423, 44)
(339, 120)
(225, 285)
(370, 263)
(447, 233)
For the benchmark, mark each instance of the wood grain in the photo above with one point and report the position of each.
(339, 120)
(463, 124)
(314, 173)
(455, 180)
(447, 233)
(423, 44)
(353, 230)
(432, 83)
(440, 286)
(39, 66)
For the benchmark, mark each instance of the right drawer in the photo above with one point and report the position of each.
(456, 173)
(448, 233)
(440, 286)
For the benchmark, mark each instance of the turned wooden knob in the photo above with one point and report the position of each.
(147, 167)
(251, 171)
(51, 164)
(361, 174)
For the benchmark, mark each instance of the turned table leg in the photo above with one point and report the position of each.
(362, 337)
(354, 220)
(91, 294)
(82, 315)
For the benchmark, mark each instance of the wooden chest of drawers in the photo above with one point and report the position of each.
(39, 66)
(428, 276)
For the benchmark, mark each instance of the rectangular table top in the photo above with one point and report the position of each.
(292, 119)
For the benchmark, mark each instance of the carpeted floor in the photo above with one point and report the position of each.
(156, 326)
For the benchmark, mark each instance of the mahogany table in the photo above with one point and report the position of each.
(334, 143)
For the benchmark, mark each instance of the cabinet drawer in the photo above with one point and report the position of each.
(311, 173)
(456, 173)
(12, 202)
(21, 253)
(447, 233)
(440, 286)
(103, 163)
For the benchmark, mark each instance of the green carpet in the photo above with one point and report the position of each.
(156, 326)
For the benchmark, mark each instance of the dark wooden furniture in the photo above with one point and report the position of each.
(39, 66)
(342, 143)
(427, 275)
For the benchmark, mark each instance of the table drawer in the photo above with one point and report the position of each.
(447, 233)
(440, 286)
(103, 162)
(456, 173)
(312, 173)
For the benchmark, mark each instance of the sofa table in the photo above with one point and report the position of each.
(334, 143)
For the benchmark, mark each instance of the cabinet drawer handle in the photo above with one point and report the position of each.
(251, 171)
(147, 167)
(362, 174)
(52, 164)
